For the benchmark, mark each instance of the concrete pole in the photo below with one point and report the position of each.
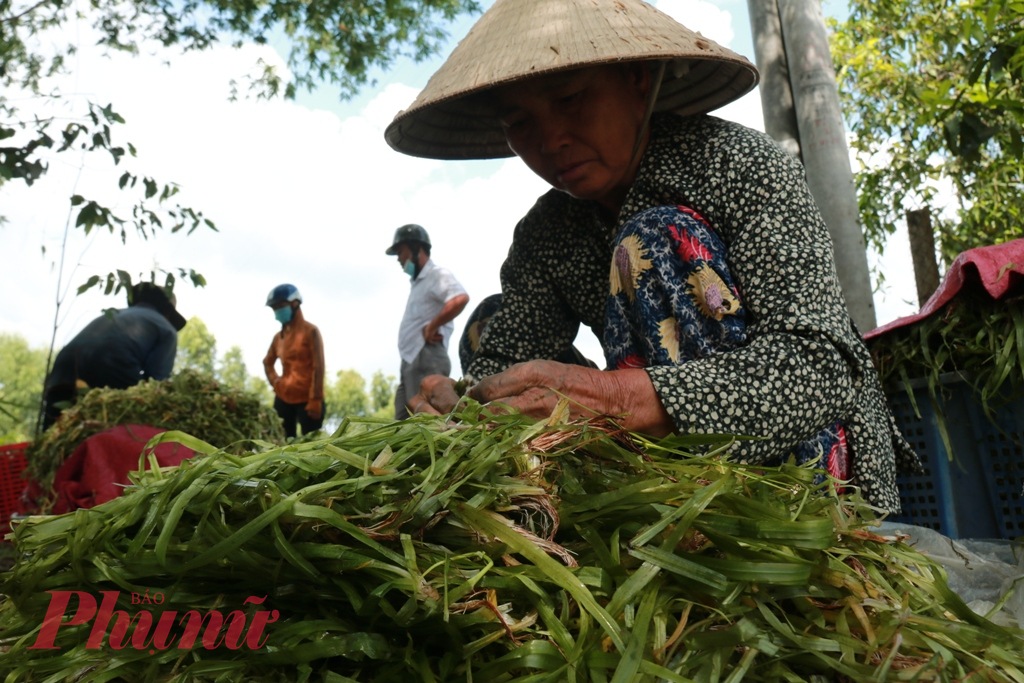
(776, 94)
(825, 154)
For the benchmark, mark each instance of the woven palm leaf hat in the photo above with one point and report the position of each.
(517, 39)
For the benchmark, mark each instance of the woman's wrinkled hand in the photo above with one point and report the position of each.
(534, 388)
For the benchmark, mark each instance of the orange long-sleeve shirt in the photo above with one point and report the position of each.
(301, 350)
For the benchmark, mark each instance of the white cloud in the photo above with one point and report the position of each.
(896, 296)
(702, 16)
(297, 194)
(717, 24)
(746, 111)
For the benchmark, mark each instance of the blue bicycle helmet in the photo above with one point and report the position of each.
(283, 294)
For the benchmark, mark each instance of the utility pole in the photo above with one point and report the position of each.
(804, 54)
(776, 94)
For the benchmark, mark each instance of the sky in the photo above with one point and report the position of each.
(302, 191)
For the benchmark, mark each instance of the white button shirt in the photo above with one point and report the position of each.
(431, 290)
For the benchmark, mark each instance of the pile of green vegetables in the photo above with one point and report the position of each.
(189, 401)
(499, 549)
(975, 336)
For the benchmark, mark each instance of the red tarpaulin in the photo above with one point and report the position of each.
(98, 469)
(998, 269)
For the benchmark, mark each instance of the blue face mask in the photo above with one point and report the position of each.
(410, 269)
(283, 315)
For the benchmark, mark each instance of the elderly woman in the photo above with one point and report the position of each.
(689, 245)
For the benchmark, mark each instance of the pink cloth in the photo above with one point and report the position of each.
(98, 469)
(998, 269)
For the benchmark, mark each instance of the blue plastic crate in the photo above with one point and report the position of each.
(977, 494)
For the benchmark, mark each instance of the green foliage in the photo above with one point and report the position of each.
(189, 401)
(980, 339)
(22, 371)
(197, 348)
(232, 372)
(28, 138)
(337, 42)
(347, 396)
(232, 368)
(496, 549)
(974, 338)
(382, 394)
(935, 89)
(119, 280)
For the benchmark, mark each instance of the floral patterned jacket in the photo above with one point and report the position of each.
(803, 366)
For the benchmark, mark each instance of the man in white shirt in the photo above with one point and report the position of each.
(435, 300)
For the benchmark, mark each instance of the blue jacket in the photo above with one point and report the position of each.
(118, 350)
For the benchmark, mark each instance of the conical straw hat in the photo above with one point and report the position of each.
(517, 39)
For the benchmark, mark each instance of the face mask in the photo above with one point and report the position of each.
(410, 269)
(283, 315)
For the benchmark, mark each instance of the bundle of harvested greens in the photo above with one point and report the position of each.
(974, 335)
(189, 401)
(494, 549)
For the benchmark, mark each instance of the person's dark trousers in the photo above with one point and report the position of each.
(431, 360)
(296, 412)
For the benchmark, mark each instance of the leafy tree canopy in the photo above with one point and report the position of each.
(197, 350)
(233, 372)
(382, 394)
(933, 91)
(332, 41)
(348, 396)
(22, 371)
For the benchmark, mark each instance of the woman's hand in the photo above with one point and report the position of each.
(534, 388)
(315, 408)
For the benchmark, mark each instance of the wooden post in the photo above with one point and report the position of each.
(922, 251)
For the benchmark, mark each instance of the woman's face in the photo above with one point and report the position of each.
(577, 129)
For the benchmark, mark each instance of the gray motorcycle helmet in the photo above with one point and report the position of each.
(408, 233)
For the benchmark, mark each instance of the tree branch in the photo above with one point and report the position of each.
(12, 19)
